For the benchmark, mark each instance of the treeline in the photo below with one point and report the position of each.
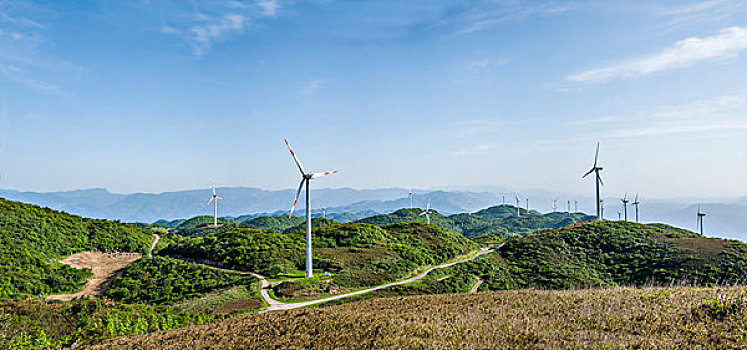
(500, 220)
(162, 280)
(33, 239)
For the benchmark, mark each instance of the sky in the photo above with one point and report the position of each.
(155, 96)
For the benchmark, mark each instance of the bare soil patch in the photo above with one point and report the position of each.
(104, 267)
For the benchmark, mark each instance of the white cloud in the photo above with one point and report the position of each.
(717, 115)
(312, 87)
(203, 36)
(727, 44)
(18, 75)
(269, 7)
(478, 66)
(482, 148)
(485, 14)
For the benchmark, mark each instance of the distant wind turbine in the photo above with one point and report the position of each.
(410, 199)
(527, 199)
(701, 216)
(625, 202)
(635, 204)
(214, 199)
(619, 215)
(569, 206)
(601, 210)
(518, 208)
(575, 206)
(596, 169)
(555, 205)
(427, 212)
(306, 180)
(504, 200)
(324, 212)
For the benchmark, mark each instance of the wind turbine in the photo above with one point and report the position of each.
(625, 202)
(527, 199)
(619, 215)
(410, 199)
(555, 204)
(575, 206)
(427, 212)
(635, 204)
(324, 212)
(518, 209)
(596, 169)
(569, 206)
(601, 209)
(306, 180)
(701, 215)
(214, 199)
(504, 200)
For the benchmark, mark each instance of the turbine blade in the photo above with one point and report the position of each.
(210, 201)
(218, 197)
(421, 214)
(428, 206)
(600, 180)
(298, 162)
(587, 174)
(596, 156)
(295, 200)
(316, 175)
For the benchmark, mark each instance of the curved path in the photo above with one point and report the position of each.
(277, 305)
(477, 285)
(156, 238)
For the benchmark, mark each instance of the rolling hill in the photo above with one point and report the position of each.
(34, 239)
(500, 220)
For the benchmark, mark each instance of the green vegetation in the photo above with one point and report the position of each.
(359, 255)
(227, 301)
(500, 220)
(165, 280)
(205, 220)
(34, 324)
(275, 223)
(33, 239)
(616, 318)
(255, 250)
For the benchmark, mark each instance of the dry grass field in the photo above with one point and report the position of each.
(617, 318)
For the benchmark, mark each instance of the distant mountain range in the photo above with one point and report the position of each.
(726, 218)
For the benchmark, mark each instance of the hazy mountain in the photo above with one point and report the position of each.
(725, 216)
(147, 207)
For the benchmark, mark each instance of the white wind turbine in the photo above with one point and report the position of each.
(214, 199)
(427, 212)
(306, 180)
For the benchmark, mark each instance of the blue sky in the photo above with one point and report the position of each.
(158, 96)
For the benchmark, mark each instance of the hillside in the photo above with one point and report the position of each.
(501, 220)
(355, 254)
(619, 318)
(34, 239)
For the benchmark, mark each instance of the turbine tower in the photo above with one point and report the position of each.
(306, 180)
(527, 199)
(569, 206)
(601, 210)
(518, 208)
(410, 199)
(596, 169)
(619, 215)
(701, 215)
(635, 204)
(427, 212)
(575, 206)
(625, 202)
(214, 199)
(555, 205)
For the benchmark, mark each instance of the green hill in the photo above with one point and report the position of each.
(501, 220)
(609, 253)
(276, 223)
(356, 254)
(33, 239)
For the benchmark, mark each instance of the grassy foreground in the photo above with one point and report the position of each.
(616, 318)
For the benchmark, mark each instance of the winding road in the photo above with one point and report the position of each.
(156, 238)
(277, 305)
